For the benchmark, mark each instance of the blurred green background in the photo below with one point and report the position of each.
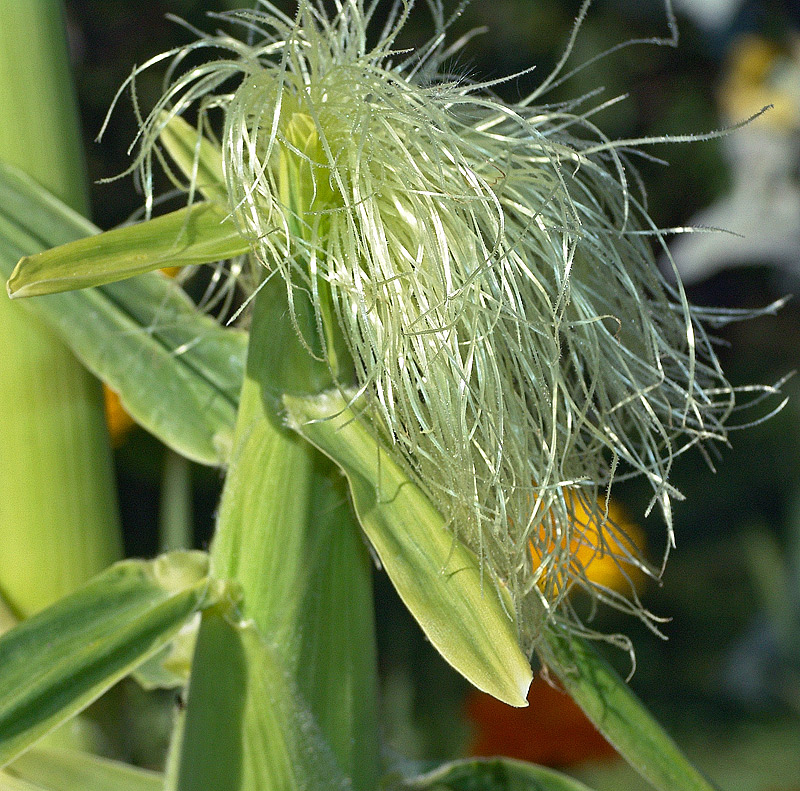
(727, 681)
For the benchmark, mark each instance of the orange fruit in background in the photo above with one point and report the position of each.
(601, 550)
(118, 420)
(551, 731)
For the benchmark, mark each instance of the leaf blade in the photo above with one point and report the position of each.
(197, 234)
(618, 714)
(197, 158)
(493, 774)
(70, 770)
(177, 371)
(55, 663)
(270, 739)
(438, 578)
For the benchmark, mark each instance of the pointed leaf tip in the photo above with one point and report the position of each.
(438, 577)
(199, 234)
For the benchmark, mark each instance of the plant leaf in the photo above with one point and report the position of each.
(197, 157)
(492, 774)
(438, 578)
(246, 726)
(10, 783)
(58, 519)
(7, 617)
(57, 662)
(171, 666)
(197, 234)
(618, 714)
(70, 770)
(178, 373)
(286, 533)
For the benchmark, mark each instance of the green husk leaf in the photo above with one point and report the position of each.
(247, 727)
(178, 373)
(70, 770)
(197, 157)
(57, 662)
(438, 578)
(618, 714)
(287, 534)
(492, 774)
(198, 234)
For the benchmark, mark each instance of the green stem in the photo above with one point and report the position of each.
(287, 535)
(175, 511)
(58, 513)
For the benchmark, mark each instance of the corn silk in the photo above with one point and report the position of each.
(482, 274)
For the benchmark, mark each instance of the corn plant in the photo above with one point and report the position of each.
(451, 338)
